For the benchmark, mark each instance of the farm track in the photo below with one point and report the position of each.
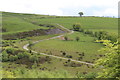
(26, 47)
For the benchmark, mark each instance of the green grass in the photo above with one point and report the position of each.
(88, 23)
(86, 45)
(14, 24)
(21, 43)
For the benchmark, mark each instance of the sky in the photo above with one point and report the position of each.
(62, 7)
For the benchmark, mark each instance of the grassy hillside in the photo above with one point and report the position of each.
(18, 61)
(85, 45)
(14, 23)
(88, 23)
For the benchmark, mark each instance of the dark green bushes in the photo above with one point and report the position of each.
(77, 38)
(76, 27)
(4, 56)
(66, 38)
(100, 35)
(10, 50)
(11, 54)
(33, 58)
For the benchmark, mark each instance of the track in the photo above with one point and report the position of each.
(26, 47)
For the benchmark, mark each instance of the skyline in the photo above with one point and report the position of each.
(62, 7)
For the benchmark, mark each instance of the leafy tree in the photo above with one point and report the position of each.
(110, 61)
(76, 27)
(80, 13)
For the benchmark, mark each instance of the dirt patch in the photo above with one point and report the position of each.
(37, 32)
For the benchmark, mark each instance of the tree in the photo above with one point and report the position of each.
(76, 27)
(110, 61)
(80, 13)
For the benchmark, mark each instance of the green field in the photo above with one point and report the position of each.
(88, 23)
(15, 23)
(85, 49)
(86, 45)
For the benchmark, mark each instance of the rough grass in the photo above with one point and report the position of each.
(91, 23)
(23, 22)
(86, 45)
(14, 24)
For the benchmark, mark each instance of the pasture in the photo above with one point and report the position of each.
(85, 49)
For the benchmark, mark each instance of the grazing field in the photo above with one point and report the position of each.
(79, 45)
(14, 24)
(88, 23)
(72, 47)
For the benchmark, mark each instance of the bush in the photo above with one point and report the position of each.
(15, 57)
(77, 38)
(11, 58)
(89, 75)
(76, 27)
(20, 55)
(4, 56)
(64, 53)
(33, 58)
(26, 54)
(10, 50)
(69, 56)
(66, 38)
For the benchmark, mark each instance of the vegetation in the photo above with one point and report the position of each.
(77, 38)
(80, 13)
(76, 27)
(82, 45)
(110, 62)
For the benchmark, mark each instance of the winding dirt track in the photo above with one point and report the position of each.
(26, 47)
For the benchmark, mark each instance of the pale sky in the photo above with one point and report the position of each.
(62, 7)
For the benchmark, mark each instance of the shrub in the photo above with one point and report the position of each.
(4, 56)
(26, 54)
(11, 58)
(69, 56)
(66, 38)
(64, 53)
(15, 57)
(20, 55)
(77, 38)
(89, 75)
(10, 50)
(33, 58)
(76, 27)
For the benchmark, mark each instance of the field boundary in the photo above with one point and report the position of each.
(70, 32)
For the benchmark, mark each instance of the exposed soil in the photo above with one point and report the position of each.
(37, 32)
